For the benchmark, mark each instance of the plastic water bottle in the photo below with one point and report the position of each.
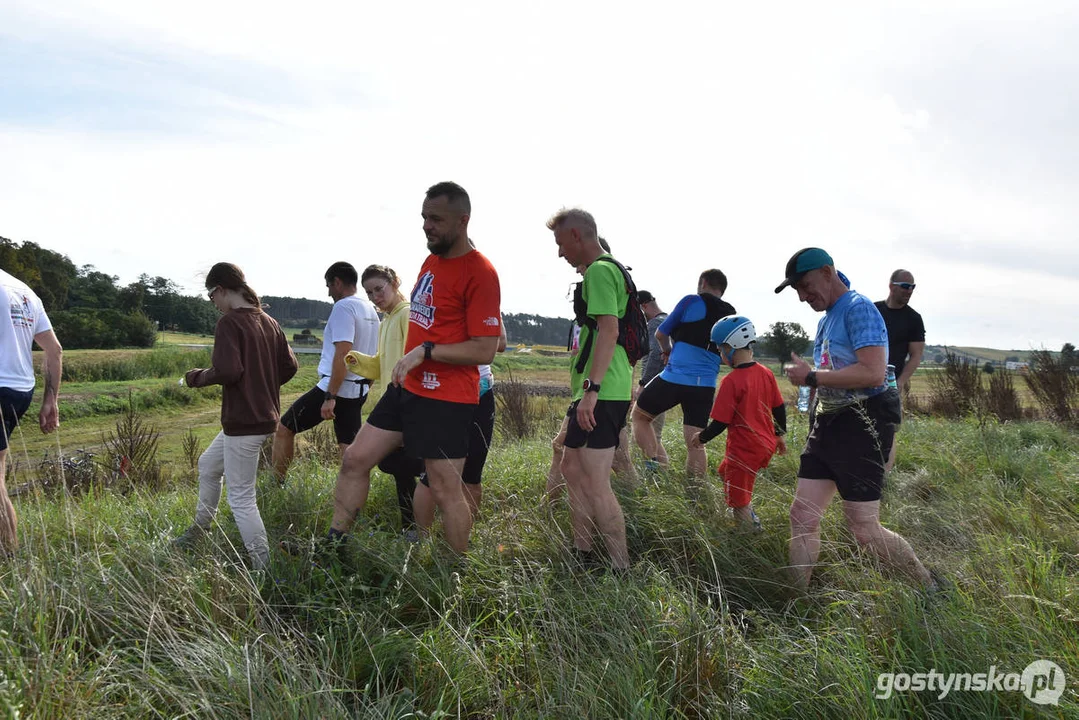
(889, 378)
(803, 398)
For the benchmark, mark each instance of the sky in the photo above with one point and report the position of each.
(939, 136)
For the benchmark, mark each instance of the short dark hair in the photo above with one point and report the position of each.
(715, 279)
(899, 272)
(453, 192)
(344, 271)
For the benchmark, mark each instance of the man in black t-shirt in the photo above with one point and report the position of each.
(906, 333)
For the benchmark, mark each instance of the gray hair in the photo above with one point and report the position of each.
(575, 218)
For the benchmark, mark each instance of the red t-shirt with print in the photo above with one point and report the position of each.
(745, 400)
(454, 299)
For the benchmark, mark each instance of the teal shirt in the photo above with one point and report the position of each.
(604, 293)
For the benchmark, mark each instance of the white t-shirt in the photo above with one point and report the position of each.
(23, 318)
(352, 319)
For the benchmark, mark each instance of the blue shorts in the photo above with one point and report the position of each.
(13, 405)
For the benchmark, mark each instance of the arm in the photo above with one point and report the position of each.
(474, 351)
(52, 369)
(868, 372)
(715, 427)
(502, 338)
(337, 377)
(226, 366)
(602, 354)
(916, 350)
(288, 365)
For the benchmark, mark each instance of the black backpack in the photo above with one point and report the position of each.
(632, 326)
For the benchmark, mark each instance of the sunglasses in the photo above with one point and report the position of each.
(211, 293)
(904, 285)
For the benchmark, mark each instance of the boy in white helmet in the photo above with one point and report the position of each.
(750, 404)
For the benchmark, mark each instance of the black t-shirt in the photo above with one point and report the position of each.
(904, 327)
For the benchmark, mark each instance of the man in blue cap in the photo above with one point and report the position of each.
(855, 423)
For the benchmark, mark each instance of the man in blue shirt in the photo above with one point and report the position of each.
(855, 423)
(689, 376)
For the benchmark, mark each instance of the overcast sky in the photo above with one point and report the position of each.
(936, 136)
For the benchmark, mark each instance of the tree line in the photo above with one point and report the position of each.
(91, 309)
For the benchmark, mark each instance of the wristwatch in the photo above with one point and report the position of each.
(428, 346)
(589, 386)
(330, 396)
(811, 379)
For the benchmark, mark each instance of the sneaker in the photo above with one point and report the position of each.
(756, 521)
(190, 538)
(941, 588)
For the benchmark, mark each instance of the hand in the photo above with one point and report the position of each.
(695, 442)
(190, 374)
(586, 416)
(781, 446)
(328, 406)
(49, 419)
(409, 362)
(797, 370)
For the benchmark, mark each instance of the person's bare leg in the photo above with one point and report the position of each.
(590, 472)
(622, 465)
(696, 458)
(354, 479)
(447, 489)
(657, 426)
(811, 498)
(555, 482)
(474, 496)
(891, 458)
(580, 509)
(863, 519)
(643, 434)
(284, 447)
(9, 537)
(423, 508)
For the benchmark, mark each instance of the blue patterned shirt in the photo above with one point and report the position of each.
(851, 324)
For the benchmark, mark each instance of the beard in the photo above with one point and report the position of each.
(439, 244)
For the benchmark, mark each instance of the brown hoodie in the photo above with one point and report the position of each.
(251, 361)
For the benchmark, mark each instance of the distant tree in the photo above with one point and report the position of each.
(988, 368)
(782, 339)
(939, 358)
(1012, 358)
(93, 289)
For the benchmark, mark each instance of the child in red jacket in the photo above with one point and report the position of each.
(749, 403)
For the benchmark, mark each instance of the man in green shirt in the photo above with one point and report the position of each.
(601, 386)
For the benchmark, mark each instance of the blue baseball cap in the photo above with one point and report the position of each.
(802, 262)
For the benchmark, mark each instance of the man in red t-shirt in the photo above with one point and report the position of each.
(453, 327)
(750, 404)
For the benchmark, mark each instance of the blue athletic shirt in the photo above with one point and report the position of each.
(689, 364)
(851, 324)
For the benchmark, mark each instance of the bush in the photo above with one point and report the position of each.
(1054, 385)
(96, 328)
(131, 450)
(133, 364)
(956, 389)
(1001, 399)
(515, 415)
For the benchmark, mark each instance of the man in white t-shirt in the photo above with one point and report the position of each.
(23, 323)
(340, 393)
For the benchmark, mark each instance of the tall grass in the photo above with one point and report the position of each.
(99, 617)
(132, 364)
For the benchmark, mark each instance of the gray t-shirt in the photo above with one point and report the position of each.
(653, 364)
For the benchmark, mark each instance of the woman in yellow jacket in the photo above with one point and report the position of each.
(383, 288)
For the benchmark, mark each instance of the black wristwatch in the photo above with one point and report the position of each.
(428, 346)
(589, 386)
(330, 396)
(811, 379)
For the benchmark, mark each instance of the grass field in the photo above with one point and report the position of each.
(98, 617)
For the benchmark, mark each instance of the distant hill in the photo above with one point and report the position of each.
(978, 355)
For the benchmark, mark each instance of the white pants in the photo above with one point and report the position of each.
(237, 459)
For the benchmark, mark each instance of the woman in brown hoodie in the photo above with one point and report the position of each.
(251, 361)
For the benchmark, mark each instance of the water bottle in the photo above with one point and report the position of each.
(889, 378)
(803, 398)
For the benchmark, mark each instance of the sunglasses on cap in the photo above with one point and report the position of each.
(904, 285)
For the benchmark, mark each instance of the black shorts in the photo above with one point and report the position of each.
(850, 447)
(479, 441)
(610, 419)
(13, 405)
(659, 396)
(306, 413)
(432, 429)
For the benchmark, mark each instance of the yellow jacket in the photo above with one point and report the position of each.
(391, 346)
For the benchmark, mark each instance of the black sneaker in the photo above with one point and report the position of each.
(190, 539)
